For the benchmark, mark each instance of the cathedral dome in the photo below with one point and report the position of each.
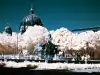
(8, 30)
(31, 20)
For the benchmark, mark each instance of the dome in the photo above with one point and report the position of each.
(31, 20)
(8, 30)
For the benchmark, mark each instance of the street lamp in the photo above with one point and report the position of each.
(17, 42)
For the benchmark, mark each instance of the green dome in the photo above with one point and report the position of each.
(31, 20)
(8, 30)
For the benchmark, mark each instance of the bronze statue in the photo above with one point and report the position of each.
(49, 49)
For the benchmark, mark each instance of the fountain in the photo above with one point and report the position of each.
(37, 51)
(49, 50)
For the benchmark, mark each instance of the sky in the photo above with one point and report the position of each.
(71, 14)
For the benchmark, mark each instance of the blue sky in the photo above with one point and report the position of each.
(71, 14)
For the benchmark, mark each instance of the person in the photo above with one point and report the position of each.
(77, 57)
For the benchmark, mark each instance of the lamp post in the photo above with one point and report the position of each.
(86, 58)
(17, 42)
(16, 50)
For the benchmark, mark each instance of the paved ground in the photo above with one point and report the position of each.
(87, 70)
(21, 71)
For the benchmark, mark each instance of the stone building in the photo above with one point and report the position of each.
(30, 20)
